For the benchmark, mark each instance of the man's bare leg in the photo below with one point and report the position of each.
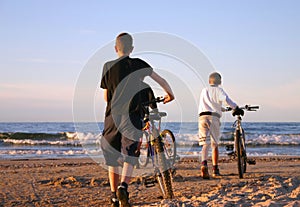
(215, 156)
(127, 172)
(113, 175)
(215, 161)
(122, 191)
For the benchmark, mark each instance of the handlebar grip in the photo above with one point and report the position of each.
(160, 99)
(251, 108)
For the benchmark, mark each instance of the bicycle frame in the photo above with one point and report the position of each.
(239, 141)
(240, 147)
(238, 127)
(156, 150)
(238, 123)
(153, 132)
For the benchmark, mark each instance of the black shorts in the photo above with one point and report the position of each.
(120, 138)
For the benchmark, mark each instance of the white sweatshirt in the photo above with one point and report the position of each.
(212, 99)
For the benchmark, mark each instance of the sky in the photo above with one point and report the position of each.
(45, 45)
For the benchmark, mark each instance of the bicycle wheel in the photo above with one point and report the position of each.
(144, 151)
(163, 177)
(244, 154)
(168, 139)
(239, 152)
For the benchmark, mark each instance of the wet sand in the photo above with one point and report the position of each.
(273, 181)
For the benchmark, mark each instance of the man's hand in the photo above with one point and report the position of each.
(168, 98)
(238, 111)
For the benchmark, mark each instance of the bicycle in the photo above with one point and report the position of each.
(160, 147)
(239, 142)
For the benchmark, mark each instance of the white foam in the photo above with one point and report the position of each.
(42, 152)
(42, 142)
(253, 139)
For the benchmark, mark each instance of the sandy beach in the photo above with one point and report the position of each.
(273, 181)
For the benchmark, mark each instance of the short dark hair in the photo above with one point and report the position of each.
(124, 42)
(215, 78)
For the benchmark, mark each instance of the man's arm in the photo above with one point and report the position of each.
(105, 94)
(165, 85)
(103, 83)
(225, 98)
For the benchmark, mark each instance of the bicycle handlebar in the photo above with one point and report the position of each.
(156, 100)
(246, 107)
(251, 108)
(156, 115)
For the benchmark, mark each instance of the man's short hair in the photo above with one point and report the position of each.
(124, 42)
(215, 78)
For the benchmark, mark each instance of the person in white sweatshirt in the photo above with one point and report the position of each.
(212, 100)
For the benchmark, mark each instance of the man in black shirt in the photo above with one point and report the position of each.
(122, 84)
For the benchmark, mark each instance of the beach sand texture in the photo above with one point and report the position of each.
(273, 181)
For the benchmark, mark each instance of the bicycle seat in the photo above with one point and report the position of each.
(157, 116)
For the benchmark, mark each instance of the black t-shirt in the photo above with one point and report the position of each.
(122, 79)
(145, 95)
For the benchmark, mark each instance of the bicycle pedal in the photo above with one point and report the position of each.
(149, 182)
(251, 162)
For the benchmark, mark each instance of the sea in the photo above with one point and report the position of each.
(52, 140)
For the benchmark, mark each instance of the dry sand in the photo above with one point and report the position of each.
(273, 181)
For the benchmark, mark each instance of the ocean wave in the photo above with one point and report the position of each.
(189, 139)
(60, 139)
(251, 139)
(33, 136)
(19, 152)
(23, 138)
(41, 142)
(267, 139)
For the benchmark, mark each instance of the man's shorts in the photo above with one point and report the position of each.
(209, 129)
(120, 139)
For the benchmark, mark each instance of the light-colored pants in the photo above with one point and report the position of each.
(209, 130)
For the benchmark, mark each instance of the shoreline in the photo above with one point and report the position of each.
(184, 158)
(83, 182)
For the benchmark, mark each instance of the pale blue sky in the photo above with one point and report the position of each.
(45, 45)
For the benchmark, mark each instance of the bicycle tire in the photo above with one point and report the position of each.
(239, 152)
(164, 177)
(244, 154)
(144, 151)
(169, 145)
